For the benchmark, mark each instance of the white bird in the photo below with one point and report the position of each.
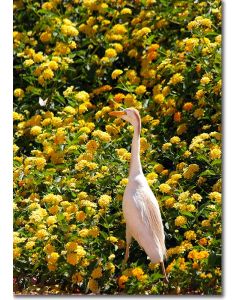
(140, 207)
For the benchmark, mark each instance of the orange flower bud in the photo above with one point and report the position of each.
(177, 117)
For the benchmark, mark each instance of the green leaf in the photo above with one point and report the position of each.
(202, 158)
(157, 276)
(216, 162)
(60, 217)
(208, 173)
(187, 213)
(214, 259)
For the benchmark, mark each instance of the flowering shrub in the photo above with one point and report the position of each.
(74, 62)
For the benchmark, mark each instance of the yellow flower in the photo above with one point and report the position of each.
(180, 221)
(110, 53)
(198, 113)
(47, 5)
(169, 202)
(166, 146)
(191, 25)
(48, 74)
(69, 30)
(49, 248)
(51, 198)
(206, 22)
(94, 231)
(183, 196)
(153, 266)
(118, 47)
(124, 181)
(82, 96)
(140, 90)
(104, 201)
(68, 91)
(143, 145)
(206, 223)
(119, 29)
(196, 197)
(203, 241)
(190, 171)
(113, 130)
(92, 146)
(112, 239)
(218, 272)
(116, 73)
(215, 153)
(84, 232)
(17, 116)
(142, 32)
(51, 220)
(77, 278)
(51, 267)
(70, 110)
(41, 233)
(28, 62)
(165, 188)
(19, 93)
(186, 154)
(191, 43)
(110, 267)
(93, 285)
(17, 252)
(205, 80)
(71, 246)
(53, 257)
(72, 258)
(216, 196)
(176, 78)
(218, 39)
(29, 245)
(97, 273)
(45, 37)
(126, 11)
(80, 216)
(158, 168)
(40, 163)
(175, 140)
(194, 254)
(80, 252)
(137, 272)
(103, 136)
(199, 94)
(122, 281)
(133, 53)
(190, 235)
(36, 130)
(38, 57)
(152, 177)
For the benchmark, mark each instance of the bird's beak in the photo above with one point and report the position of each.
(118, 114)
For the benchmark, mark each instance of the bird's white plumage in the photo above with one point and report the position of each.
(140, 207)
(143, 218)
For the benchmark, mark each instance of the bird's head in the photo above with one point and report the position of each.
(130, 115)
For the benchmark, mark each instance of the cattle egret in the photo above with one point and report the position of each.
(140, 207)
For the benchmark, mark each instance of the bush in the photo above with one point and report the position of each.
(74, 62)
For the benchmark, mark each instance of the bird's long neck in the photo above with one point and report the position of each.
(135, 163)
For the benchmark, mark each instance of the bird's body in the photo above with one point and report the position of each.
(140, 207)
(146, 226)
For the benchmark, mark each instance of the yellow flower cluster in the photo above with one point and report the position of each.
(104, 201)
(194, 254)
